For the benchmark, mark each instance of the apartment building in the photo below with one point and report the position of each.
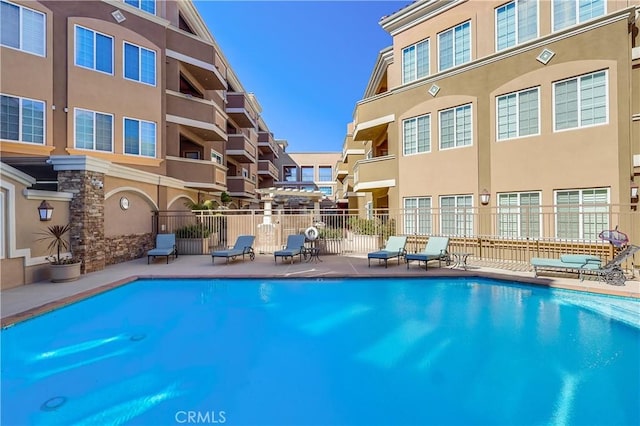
(112, 110)
(504, 105)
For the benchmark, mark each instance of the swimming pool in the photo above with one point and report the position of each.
(351, 351)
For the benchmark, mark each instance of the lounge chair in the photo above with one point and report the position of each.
(436, 249)
(243, 245)
(394, 248)
(611, 273)
(295, 246)
(165, 246)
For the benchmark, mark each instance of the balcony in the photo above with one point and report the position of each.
(198, 115)
(199, 174)
(239, 109)
(375, 173)
(240, 148)
(267, 145)
(372, 129)
(199, 57)
(342, 171)
(239, 186)
(266, 167)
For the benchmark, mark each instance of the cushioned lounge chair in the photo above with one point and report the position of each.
(243, 245)
(295, 246)
(436, 249)
(165, 246)
(394, 248)
(611, 273)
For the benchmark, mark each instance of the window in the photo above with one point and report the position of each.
(325, 173)
(582, 213)
(216, 157)
(518, 114)
(139, 137)
(416, 135)
(570, 12)
(245, 173)
(415, 61)
(22, 28)
(368, 210)
(139, 64)
(94, 50)
(580, 102)
(516, 22)
(455, 127)
(93, 130)
(307, 173)
(290, 173)
(326, 190)
(519, 215)
(146, 5)
(417, 215)
(456, 215)
(21, 119)
(454, 46)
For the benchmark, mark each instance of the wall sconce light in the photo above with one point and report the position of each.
(634, 192)
(45, 211)
(434, 89)
(118, 16)
(545, 56)
(97, 183)
(484, 197)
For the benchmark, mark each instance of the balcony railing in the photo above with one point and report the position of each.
(267, 145)
(198, 173)
(199, 57)
(199, 115)
(375, 173)
(240, 186)
(240, 110)
(266, 167)
(240, 148)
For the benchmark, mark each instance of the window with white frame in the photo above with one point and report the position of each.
(139, 64)
(93, 130)
(93, 50)
(326, 190)
(325, 173)
(456, 215)
(417, 215)
(519, 215)
(21, 119)
(582, 213)
(22, 28)
(581, 101)
(416, 135)
(216, 157)
(146, 5)
(518, 114)
(516, 22)
(415, 61)
(454, 46)
(368, 210)
(571, 12)
(139, 137)
(306, 173)
(455, 127)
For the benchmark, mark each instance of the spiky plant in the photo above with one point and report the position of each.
(54, 235)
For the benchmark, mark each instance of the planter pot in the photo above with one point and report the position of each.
(65, 273)
(330, 246)
(192, 245)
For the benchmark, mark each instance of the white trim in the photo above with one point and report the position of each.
(95, 46)
(195, 123)
(93, 113)
(196, 62)
(131, 189)
(403, 19)
(138, 12)
(388, 183)
(517, 93)
(21, 116)
(177, 197)
(635, 53)
(35, 194)
(580, 101)
(78, 162)
(373, 123)
(517, 26)
(155, 64)
(20, 30)
(15, 174)
(455, 141)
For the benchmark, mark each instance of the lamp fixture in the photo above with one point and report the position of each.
(634, 192)
(97, 183)
(118, 16)
(434, 89)
(484, 197)
(45, 211)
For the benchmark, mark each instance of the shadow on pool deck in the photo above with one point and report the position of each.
(29, 300)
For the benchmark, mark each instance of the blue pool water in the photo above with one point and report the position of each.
(308, 352)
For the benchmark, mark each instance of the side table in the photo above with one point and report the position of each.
(460, 260)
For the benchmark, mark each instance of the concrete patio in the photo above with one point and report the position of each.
(28, 300)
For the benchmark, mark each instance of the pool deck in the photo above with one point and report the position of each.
(26, 301)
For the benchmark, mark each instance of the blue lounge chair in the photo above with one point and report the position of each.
(165, 246)
(394, 248)
(243, 245)
(582, 264)
(295, 246)
(436, 249)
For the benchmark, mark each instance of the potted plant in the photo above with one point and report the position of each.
(193, 239)
(62, 269)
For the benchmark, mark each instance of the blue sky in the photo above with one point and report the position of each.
(308, 62)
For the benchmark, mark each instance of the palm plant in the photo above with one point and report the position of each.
(54, 235)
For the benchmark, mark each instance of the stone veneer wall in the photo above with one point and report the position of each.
(123, 248)
(86, 216)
